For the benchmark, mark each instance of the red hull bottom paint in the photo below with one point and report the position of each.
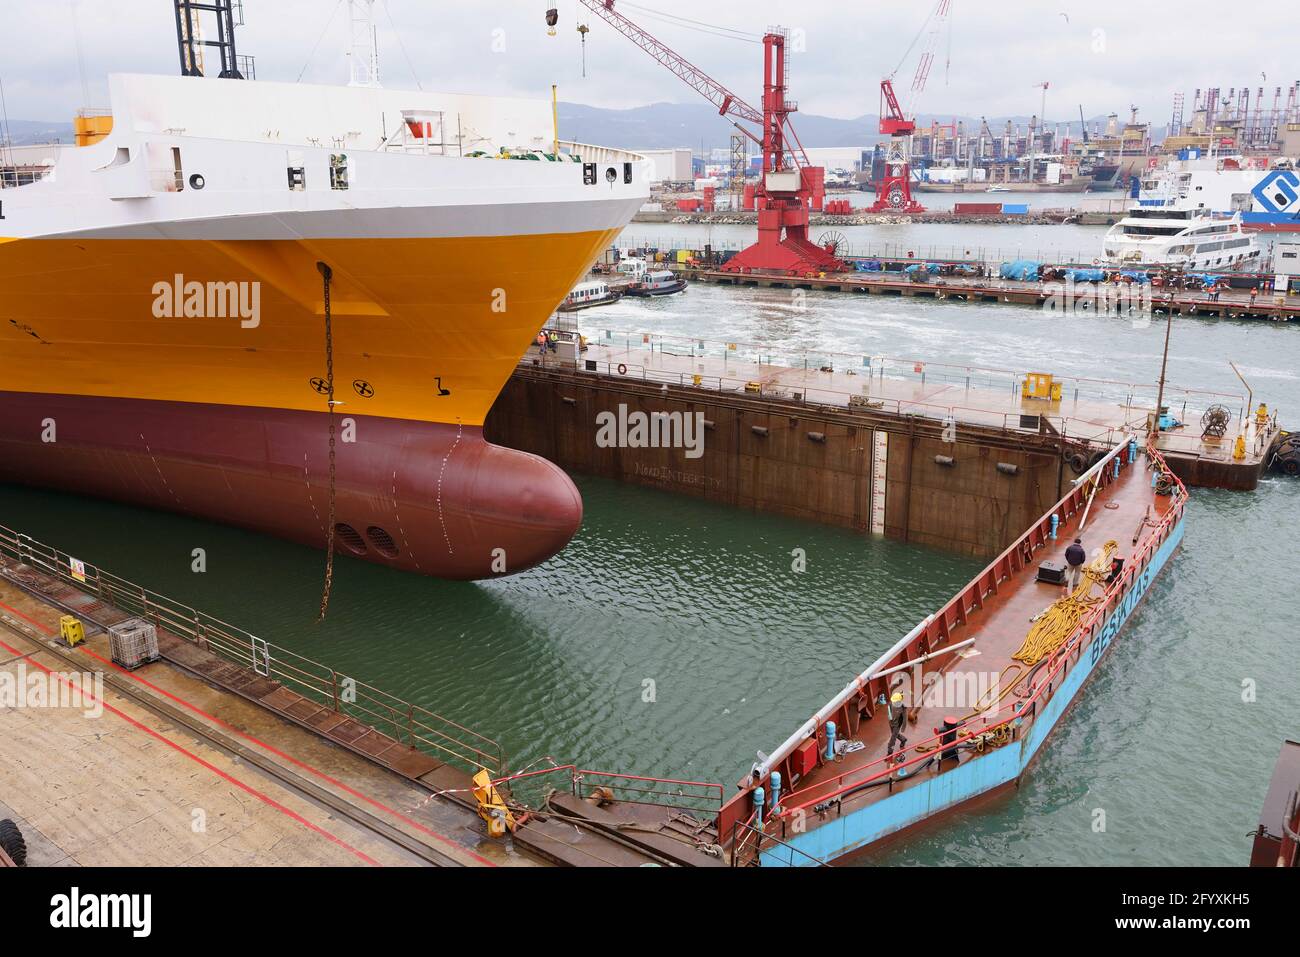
(430, 498)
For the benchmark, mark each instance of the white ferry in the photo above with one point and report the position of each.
(1187, 238)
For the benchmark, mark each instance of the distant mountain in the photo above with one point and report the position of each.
(31, 132)
(666, 125)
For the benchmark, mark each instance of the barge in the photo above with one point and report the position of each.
(980, 685)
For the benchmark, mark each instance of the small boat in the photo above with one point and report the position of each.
(997, 189)
(660, 282)
(588, 294)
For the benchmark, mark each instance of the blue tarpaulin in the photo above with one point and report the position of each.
(923, 267)
(868, 265)
(1085, 275)
(1024, 269)
(1138, 276)
(1206, 278)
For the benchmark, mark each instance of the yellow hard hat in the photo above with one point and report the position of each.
(897, 698)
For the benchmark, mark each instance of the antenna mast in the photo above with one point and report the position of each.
(363, 56)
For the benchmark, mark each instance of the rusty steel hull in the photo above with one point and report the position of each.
(425, 497)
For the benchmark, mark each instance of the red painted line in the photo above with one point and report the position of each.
(262, 744)
(287, 757)
(43, 627)
(198, 760)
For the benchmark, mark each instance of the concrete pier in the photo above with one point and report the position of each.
(1233, 304)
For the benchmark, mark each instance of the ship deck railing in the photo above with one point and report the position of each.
(746, 841)
(993, 398)
(590, 153)
(419, 728)
(935, 635)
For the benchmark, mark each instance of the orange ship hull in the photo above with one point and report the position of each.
(223, 418)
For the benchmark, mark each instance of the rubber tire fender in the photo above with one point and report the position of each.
(11, 839)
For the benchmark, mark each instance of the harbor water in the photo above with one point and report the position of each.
(676, 637)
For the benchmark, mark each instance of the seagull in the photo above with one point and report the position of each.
(1067, 17)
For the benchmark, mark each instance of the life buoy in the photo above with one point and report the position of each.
(622, 369)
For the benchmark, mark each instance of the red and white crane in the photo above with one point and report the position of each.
(786, 190)
(894, 188)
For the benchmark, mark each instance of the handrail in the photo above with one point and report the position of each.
(420, 728)
(902, 363)
(1077, 428)
(760, 835)
(713, 796)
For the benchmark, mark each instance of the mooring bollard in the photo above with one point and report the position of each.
(830, 740)
(1056, 521)
(758, 806)
(776, 791)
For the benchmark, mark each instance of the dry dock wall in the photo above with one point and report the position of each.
(868, 471)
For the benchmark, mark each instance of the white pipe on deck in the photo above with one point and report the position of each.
(810, 726)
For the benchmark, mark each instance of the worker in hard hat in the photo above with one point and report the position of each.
(896, 712)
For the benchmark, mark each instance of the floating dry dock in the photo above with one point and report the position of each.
(833, 787)
(953, 457)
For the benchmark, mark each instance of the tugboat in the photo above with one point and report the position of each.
(660, 282)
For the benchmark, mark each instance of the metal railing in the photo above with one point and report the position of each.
(895, 251)
(1130, 395)
(399, 719)
(746, 843)
(699, 797)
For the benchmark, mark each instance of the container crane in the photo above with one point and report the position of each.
(786, 190)
(894, 189)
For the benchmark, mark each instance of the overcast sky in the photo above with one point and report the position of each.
(1103, 54)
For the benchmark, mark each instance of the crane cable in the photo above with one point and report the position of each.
(327, 274)
(1062, 618)
(700, 26)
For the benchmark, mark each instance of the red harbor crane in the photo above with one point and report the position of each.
(894, 188)
(786, 190)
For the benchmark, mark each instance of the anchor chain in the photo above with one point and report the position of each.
(327, 274)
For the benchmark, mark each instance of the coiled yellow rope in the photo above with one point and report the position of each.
(1065, 614)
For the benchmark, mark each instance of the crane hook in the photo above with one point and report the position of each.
(552, 18)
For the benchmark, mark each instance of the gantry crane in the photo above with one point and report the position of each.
(786, 190)
(894, 189)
